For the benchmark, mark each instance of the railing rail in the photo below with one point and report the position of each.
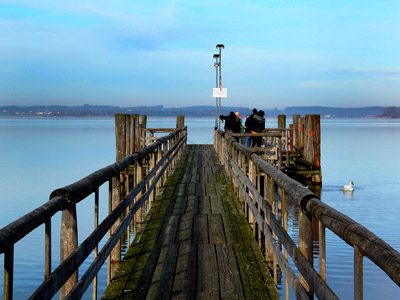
(160, 158)
(247, 171)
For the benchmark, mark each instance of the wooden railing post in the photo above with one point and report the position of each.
(109, 231)
(124, 193)
(306, 245)
(285, 227)
(116, 198)
(322, 250)
(96, 224)
(259, 229)
(268, 251)
(8, 273)
(47, 247)
(152, 165)
(253, 179)
(159, 156)
(68, 244)
(140, 177)
(280, 153)
(273, 208)
(358, 274)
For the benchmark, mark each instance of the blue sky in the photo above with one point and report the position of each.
(130, 53)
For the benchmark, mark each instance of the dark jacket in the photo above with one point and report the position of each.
(259, 123)
(232, 122)
(250, 124)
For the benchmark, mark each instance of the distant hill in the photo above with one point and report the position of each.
(359, 112)
(193, 111)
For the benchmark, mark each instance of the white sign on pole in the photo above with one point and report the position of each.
(220, 93)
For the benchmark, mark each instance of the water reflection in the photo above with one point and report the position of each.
(348, 194)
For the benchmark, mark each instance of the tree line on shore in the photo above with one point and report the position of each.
(193, 111)
(391, 112)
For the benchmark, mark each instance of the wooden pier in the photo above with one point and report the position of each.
(195, 242)
(210, 222)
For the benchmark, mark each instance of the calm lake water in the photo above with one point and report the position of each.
(39, 155)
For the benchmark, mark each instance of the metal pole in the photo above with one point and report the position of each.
(216, 99)
(216, 64)
(219, 104)
(219, 47)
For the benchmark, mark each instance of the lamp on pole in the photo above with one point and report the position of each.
(220, 47)
(216, 65)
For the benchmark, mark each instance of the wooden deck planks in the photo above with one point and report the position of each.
(229, 275)
(163, 277)
(216, 231)
(207, 272)
(195, 242)
(200, 229)
(185, 275)
(185, 229)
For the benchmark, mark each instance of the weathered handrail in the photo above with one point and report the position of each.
(61, 198)
(15, 231)
(247, 169)
(161, 157)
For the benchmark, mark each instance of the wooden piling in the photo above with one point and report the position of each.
(121, 148)
(127, 135)
(143, 126)
(312, 146)
(296, 132)
(180, 121)
(120, 138)
(281, 121)
(136, 138)
(301, 123)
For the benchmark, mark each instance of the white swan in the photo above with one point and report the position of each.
(348, 187)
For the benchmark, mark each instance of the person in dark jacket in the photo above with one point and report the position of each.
(232, 123)
(259, 125)
(251, 127)
(250, 124)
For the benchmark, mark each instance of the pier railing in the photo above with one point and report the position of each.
(133, 182)
(295, 149)
(264, 193)
(277, 144)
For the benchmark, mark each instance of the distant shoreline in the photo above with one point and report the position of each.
(169, 117)
(107, 111)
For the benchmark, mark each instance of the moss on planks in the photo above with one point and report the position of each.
(195, 239)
